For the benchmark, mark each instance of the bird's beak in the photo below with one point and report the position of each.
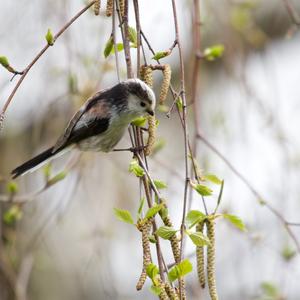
(150, 112)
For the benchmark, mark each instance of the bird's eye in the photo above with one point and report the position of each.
(143, 104)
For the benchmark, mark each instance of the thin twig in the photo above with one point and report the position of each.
(257, 195)
(38, 56)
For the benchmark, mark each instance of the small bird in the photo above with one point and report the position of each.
(100, 123)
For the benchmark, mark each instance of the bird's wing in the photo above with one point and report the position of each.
(91, 119)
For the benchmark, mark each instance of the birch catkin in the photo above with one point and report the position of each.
(97, 7)
(200, 258)
(109, 7)
(147, 77)
(211, 276)
(165, 84)
(144, 228)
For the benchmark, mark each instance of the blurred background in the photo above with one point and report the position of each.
(67, 243)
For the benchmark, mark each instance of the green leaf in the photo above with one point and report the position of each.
(198, 238)
(142, 202)
(156, 290)
(160, 184)
(47, 170)
(153, 210)
(236, 221)
(120, 47)
(270, 289)
(4, 61)
(288, 253)
(152, 239)
(166, 232)
(203, 190)
(13, 214)
(60, 176)
(135, 168)
(179, 104)
(152, 271)
(132, 36)
(12, 187)
(214, 52)
(139, 122)
(213, 178)
(180, 270)
(161, 54)
(123, 215)
(108, 47)
(193, 217)
(49, 37)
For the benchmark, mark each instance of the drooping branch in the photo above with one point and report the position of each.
(37, 57)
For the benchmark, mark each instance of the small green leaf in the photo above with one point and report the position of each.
(152, 239)
(152, 271)
(213, 178)
(120, 47)
(108, 47)
(60, 176)
(135, 168)
(288, 253)
(142, 202)
(132, 36)
(13, 214)
(160, 184)
(156, 290)
(4, 61)
(123, 215)
(236, 221)
(139, 122)
(12, 187)
(202, 189)
(179, 104)
(49, 37)
(47, 170)
(161, 54)
(214, 52)
(166, 232)
(193, 217)
(180, 270)
(198, 238)
(153, 210)
(270, 289)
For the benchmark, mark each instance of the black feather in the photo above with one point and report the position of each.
(32, 163)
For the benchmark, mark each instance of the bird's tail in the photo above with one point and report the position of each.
(34, 162)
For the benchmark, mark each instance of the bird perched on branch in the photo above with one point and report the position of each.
(100, 123)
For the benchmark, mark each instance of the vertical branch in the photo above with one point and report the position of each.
(114, 40)
(138, 30)
(126, 42)
(185, 129)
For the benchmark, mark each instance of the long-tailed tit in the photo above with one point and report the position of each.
(100, 123)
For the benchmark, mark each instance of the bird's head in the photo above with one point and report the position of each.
(141, 99)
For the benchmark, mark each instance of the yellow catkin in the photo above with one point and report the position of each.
(163, 294)
(165, 84)
(171, 291)
(147, 77)
(211, 276)
(109, 7)
(151, 135)
(122, 7)
(176, 252)
(145, 230)
(97, 7)
(200, 258)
